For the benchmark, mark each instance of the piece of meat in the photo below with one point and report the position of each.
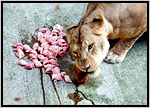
(22, 62)
(62, 51)
(56, 77)
(45, 61)
(53, 33)
(40, 49)
(53, 40)
(43, 30)
(67, 79)
(63, 74)
(37, 63)
(32, 57)
(58, 27)
(45, 52)
(39, 36)
(57, 7)
(56, 70)
(41, 57)
(33, 52)
(54, 62)
(18, 47)
(43, 40)
(50, 55)
(26, 48)
(48, 32)
(62, 34)
(16, 44)
(35, 46)
(20, 54)
(81, 76)
(54, 49)
(29, 66)
(45, 45)
(49, 68)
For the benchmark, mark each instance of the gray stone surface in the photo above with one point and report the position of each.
(117, 84)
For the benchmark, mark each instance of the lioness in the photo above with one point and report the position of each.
(88, 40)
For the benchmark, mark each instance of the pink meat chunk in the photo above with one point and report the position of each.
(62, 34)
(56, 77)
(49, 68)
(26, 48)
(22, 62)
(18, 47)
(40, 36)
(20, 54)
(67, 79)
(48, 32)
(43, 40)
(32, 57)
(58, 28)
(37, 63)
(43, 30)
(81, 76)
(40, 49)
(35, 46)
(41, 57)
(45, 45)
(51, 45)
(56, 70)
(29, 66)
(54, 49)
(16, 44)
(33, 52)
(63, 74)
(54, 62)
(45, 61)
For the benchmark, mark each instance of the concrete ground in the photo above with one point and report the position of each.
(118, 84)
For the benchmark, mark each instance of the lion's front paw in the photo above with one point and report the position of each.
(114, 58)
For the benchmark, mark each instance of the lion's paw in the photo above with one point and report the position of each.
(113, 58)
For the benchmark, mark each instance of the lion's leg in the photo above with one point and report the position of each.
(120, 49)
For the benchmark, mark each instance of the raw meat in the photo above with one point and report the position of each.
(16, 44)
(56, 70)
(49, 68)
(56, 77)
(43, 30)
(40, 49)
(26, 48)
(32, 57)
(41, 57)
(35, 46)
(40, 36)
(33, 52)
(67, 79)
(20, 53)
(44, 52)
(22, 62)
(29, 66)
(37, 63)
(63, 74)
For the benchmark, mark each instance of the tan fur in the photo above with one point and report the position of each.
(103, 21)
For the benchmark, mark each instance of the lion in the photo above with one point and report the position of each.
(88, 39)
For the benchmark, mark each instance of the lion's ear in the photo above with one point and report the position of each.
(68, 32)
(97, 25)
(98, 20)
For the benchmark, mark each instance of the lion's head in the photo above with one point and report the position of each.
(88, 43)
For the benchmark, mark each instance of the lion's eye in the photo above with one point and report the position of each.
(90, 46)
(75, 53)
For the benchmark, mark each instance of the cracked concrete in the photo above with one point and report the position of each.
(117, 84)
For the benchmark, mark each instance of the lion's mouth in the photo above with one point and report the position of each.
(81, 76)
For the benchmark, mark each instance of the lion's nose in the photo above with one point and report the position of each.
(87, 67)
